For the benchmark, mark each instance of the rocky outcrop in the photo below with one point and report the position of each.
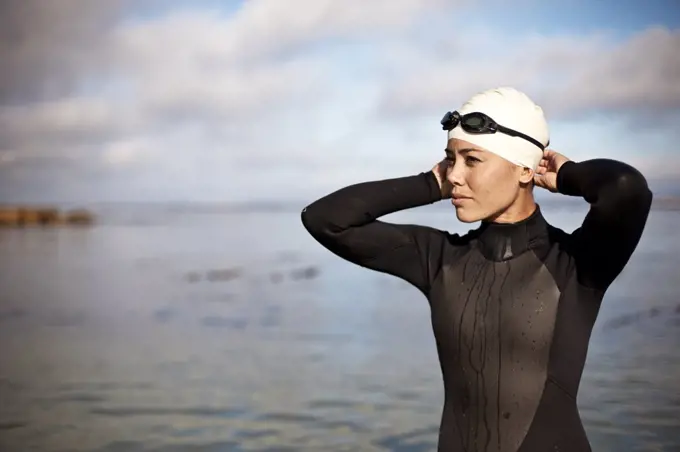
(24, 216)
(79, 217)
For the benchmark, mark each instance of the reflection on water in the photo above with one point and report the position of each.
(233, 332)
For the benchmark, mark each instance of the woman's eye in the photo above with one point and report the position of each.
(471, 160)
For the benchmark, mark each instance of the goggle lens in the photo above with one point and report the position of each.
(474, 122)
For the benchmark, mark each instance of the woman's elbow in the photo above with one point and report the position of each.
(314, 220)
(632, 190)
(632, 184)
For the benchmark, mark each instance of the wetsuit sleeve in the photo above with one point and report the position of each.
(620, 201)
(345, 222)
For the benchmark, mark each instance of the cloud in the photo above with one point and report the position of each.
(45, 45)
(92, 78)
(64, 123)
(50, 49)
(126, 152)
(642, 73)
(569, 75)
(99, 99)
(262, 27)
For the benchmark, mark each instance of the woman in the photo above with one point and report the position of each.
(513, 302)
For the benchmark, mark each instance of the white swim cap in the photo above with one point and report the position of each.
(513, 109)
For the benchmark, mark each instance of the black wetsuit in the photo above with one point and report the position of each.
(512, 305)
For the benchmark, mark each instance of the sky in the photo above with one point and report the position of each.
(232, 101)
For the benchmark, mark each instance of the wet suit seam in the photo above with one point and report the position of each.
(599, 291)
(428, 281)
(561, 388)
(391, 250)
(410, 242)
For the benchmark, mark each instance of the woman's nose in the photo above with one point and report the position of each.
(456, 174)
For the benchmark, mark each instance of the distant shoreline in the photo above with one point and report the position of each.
(667, 203)
(662, 203)
(42, 215)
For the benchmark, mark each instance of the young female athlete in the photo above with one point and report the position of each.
(513, 302)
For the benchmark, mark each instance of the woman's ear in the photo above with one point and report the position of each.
(526, 175)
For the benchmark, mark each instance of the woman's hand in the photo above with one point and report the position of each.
(546, 173)
(439, 171)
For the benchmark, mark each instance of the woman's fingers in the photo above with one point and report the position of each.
(538, 180)
(541, 169)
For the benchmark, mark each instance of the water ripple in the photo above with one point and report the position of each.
(227, 413)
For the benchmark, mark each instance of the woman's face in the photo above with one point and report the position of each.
(484, 184)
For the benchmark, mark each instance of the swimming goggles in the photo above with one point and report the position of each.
(479, 123)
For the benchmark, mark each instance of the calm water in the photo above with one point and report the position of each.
(198, 330)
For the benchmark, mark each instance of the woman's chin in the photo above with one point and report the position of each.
(465, 215)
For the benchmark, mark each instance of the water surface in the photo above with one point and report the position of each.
(189, 329)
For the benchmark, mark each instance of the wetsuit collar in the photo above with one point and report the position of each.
(503, 241)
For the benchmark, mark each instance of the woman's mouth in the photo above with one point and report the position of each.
(458, 200)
